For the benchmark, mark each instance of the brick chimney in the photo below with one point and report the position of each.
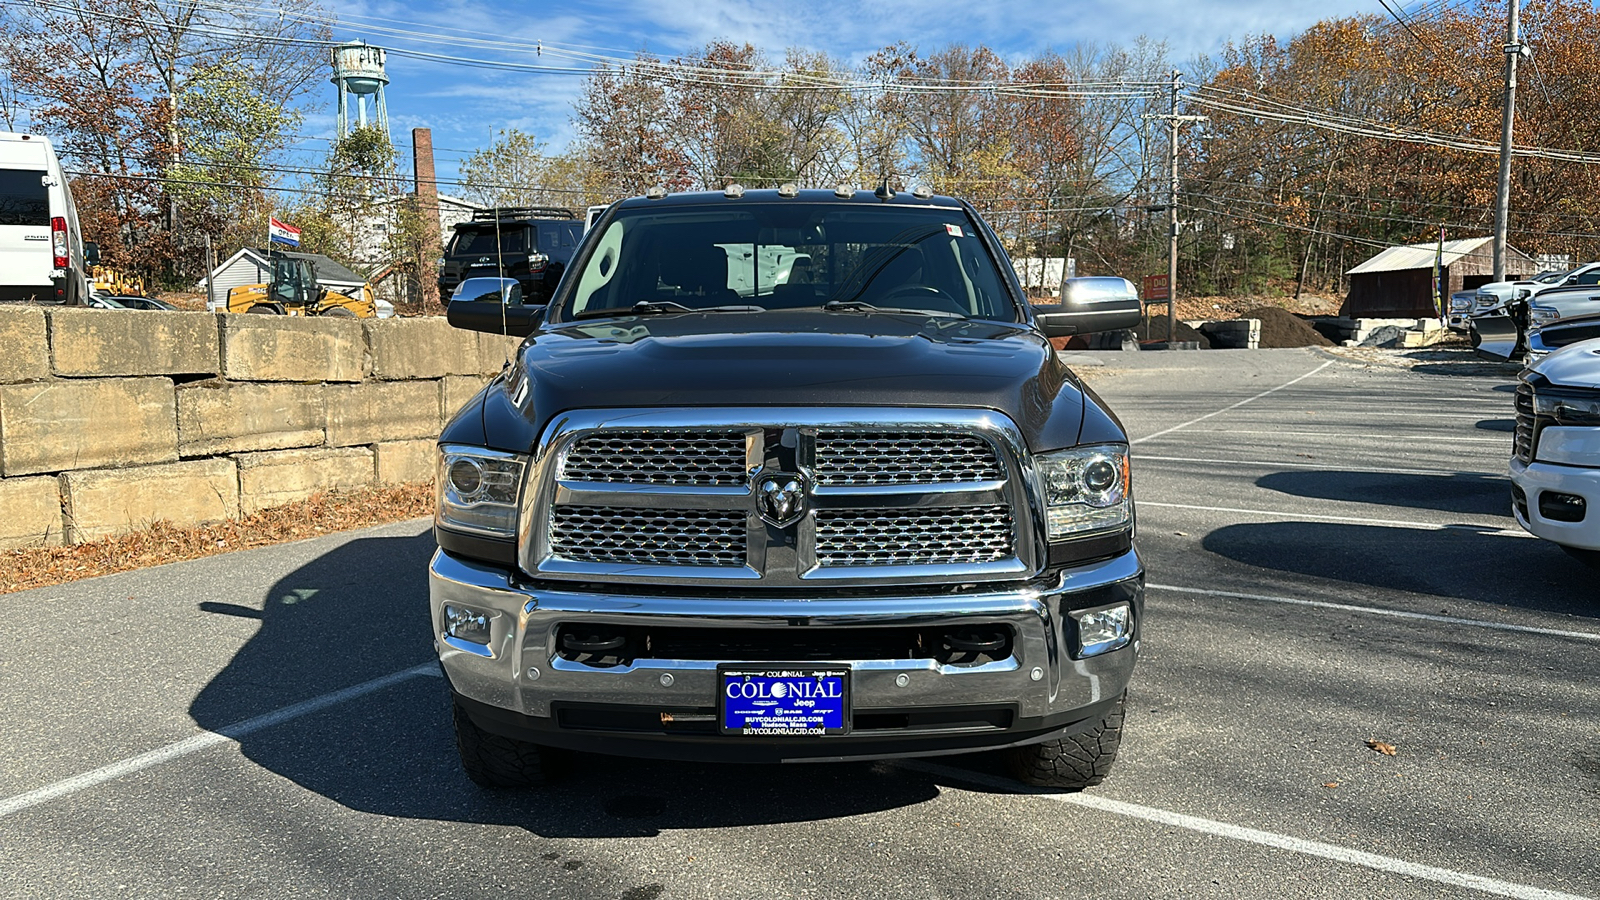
(428, 207)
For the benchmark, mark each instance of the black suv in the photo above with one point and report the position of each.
(532, 244)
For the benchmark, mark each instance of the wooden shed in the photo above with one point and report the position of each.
(1398, 283)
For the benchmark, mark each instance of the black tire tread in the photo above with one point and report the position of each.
(1071, 763)
(496, 762)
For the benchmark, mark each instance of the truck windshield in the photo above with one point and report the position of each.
(24, 200)
(840, 257)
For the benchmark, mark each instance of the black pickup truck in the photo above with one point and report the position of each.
(788, 475)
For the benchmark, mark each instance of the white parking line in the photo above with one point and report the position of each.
(206, 739)
(1494, 530)
(1343, 431)
(1289, 464)
(1229, 831)
(1377, 611)
(1150, 437)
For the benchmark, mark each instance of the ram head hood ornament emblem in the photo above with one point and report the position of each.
(781, 498)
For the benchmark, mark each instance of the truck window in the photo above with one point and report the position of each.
(481, 243)
(781, 257)
(24, 200)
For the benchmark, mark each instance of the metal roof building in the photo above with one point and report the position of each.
(1398, 282)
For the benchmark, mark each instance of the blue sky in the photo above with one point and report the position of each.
(465, 105)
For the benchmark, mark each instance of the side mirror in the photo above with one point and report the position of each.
(476, 315)
(1089, 305)
(493, 306)
(91, 253)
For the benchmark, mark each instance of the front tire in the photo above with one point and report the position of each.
(338, 312)
(1071, 763)
(497, 762)
(263, 309)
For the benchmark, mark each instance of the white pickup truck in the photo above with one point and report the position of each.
(1555, 462)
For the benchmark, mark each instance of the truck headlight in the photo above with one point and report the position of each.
(478, 490)
(1567, 410)
(1086, 489)
(1541, 315)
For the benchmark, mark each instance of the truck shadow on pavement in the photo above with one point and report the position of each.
(360, 612)
(1462, 493)
(1457, 563)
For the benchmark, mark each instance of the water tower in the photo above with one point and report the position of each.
(358, 73)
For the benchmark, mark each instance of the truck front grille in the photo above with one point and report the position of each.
(697, 459)
(648, 537)
(1522, 442)
(876, 458)
(896, 496)
(928, 537)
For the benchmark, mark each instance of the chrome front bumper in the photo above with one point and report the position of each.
(518, 685)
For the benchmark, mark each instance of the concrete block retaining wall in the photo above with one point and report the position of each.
(112, 420)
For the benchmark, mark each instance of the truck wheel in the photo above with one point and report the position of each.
(339, 312)
(262, 308)
(1071, 763)
(496, 762)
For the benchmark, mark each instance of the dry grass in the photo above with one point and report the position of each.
(163, 543)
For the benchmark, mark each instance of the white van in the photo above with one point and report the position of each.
(42, 254)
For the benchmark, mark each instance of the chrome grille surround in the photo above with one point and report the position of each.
(926, 526)
(868, 458)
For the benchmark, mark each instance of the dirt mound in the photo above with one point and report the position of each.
(1156, 330)
(1281, 328)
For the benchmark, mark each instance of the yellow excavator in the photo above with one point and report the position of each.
(293, 291)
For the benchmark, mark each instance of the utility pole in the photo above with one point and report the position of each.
(1172, 214)
(1514, 50)
(1173, 223)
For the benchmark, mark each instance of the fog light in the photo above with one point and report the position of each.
(466, 629)
(1103, 630)
(1558, 507)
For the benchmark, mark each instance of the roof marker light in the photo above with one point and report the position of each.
(655, 193)
(788, 189)
(733, 191)
(844, 190)
(922, 192)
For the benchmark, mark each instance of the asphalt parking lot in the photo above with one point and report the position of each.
(1331, 562)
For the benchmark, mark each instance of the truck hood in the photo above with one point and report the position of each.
(1575, 365)
(808, 358)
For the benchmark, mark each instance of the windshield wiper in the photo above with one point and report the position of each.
(863, 306)
(648, 307)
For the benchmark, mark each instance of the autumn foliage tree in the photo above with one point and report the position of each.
(1379, 135)
(168, 113)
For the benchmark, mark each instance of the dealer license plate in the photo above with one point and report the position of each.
(784, 700)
